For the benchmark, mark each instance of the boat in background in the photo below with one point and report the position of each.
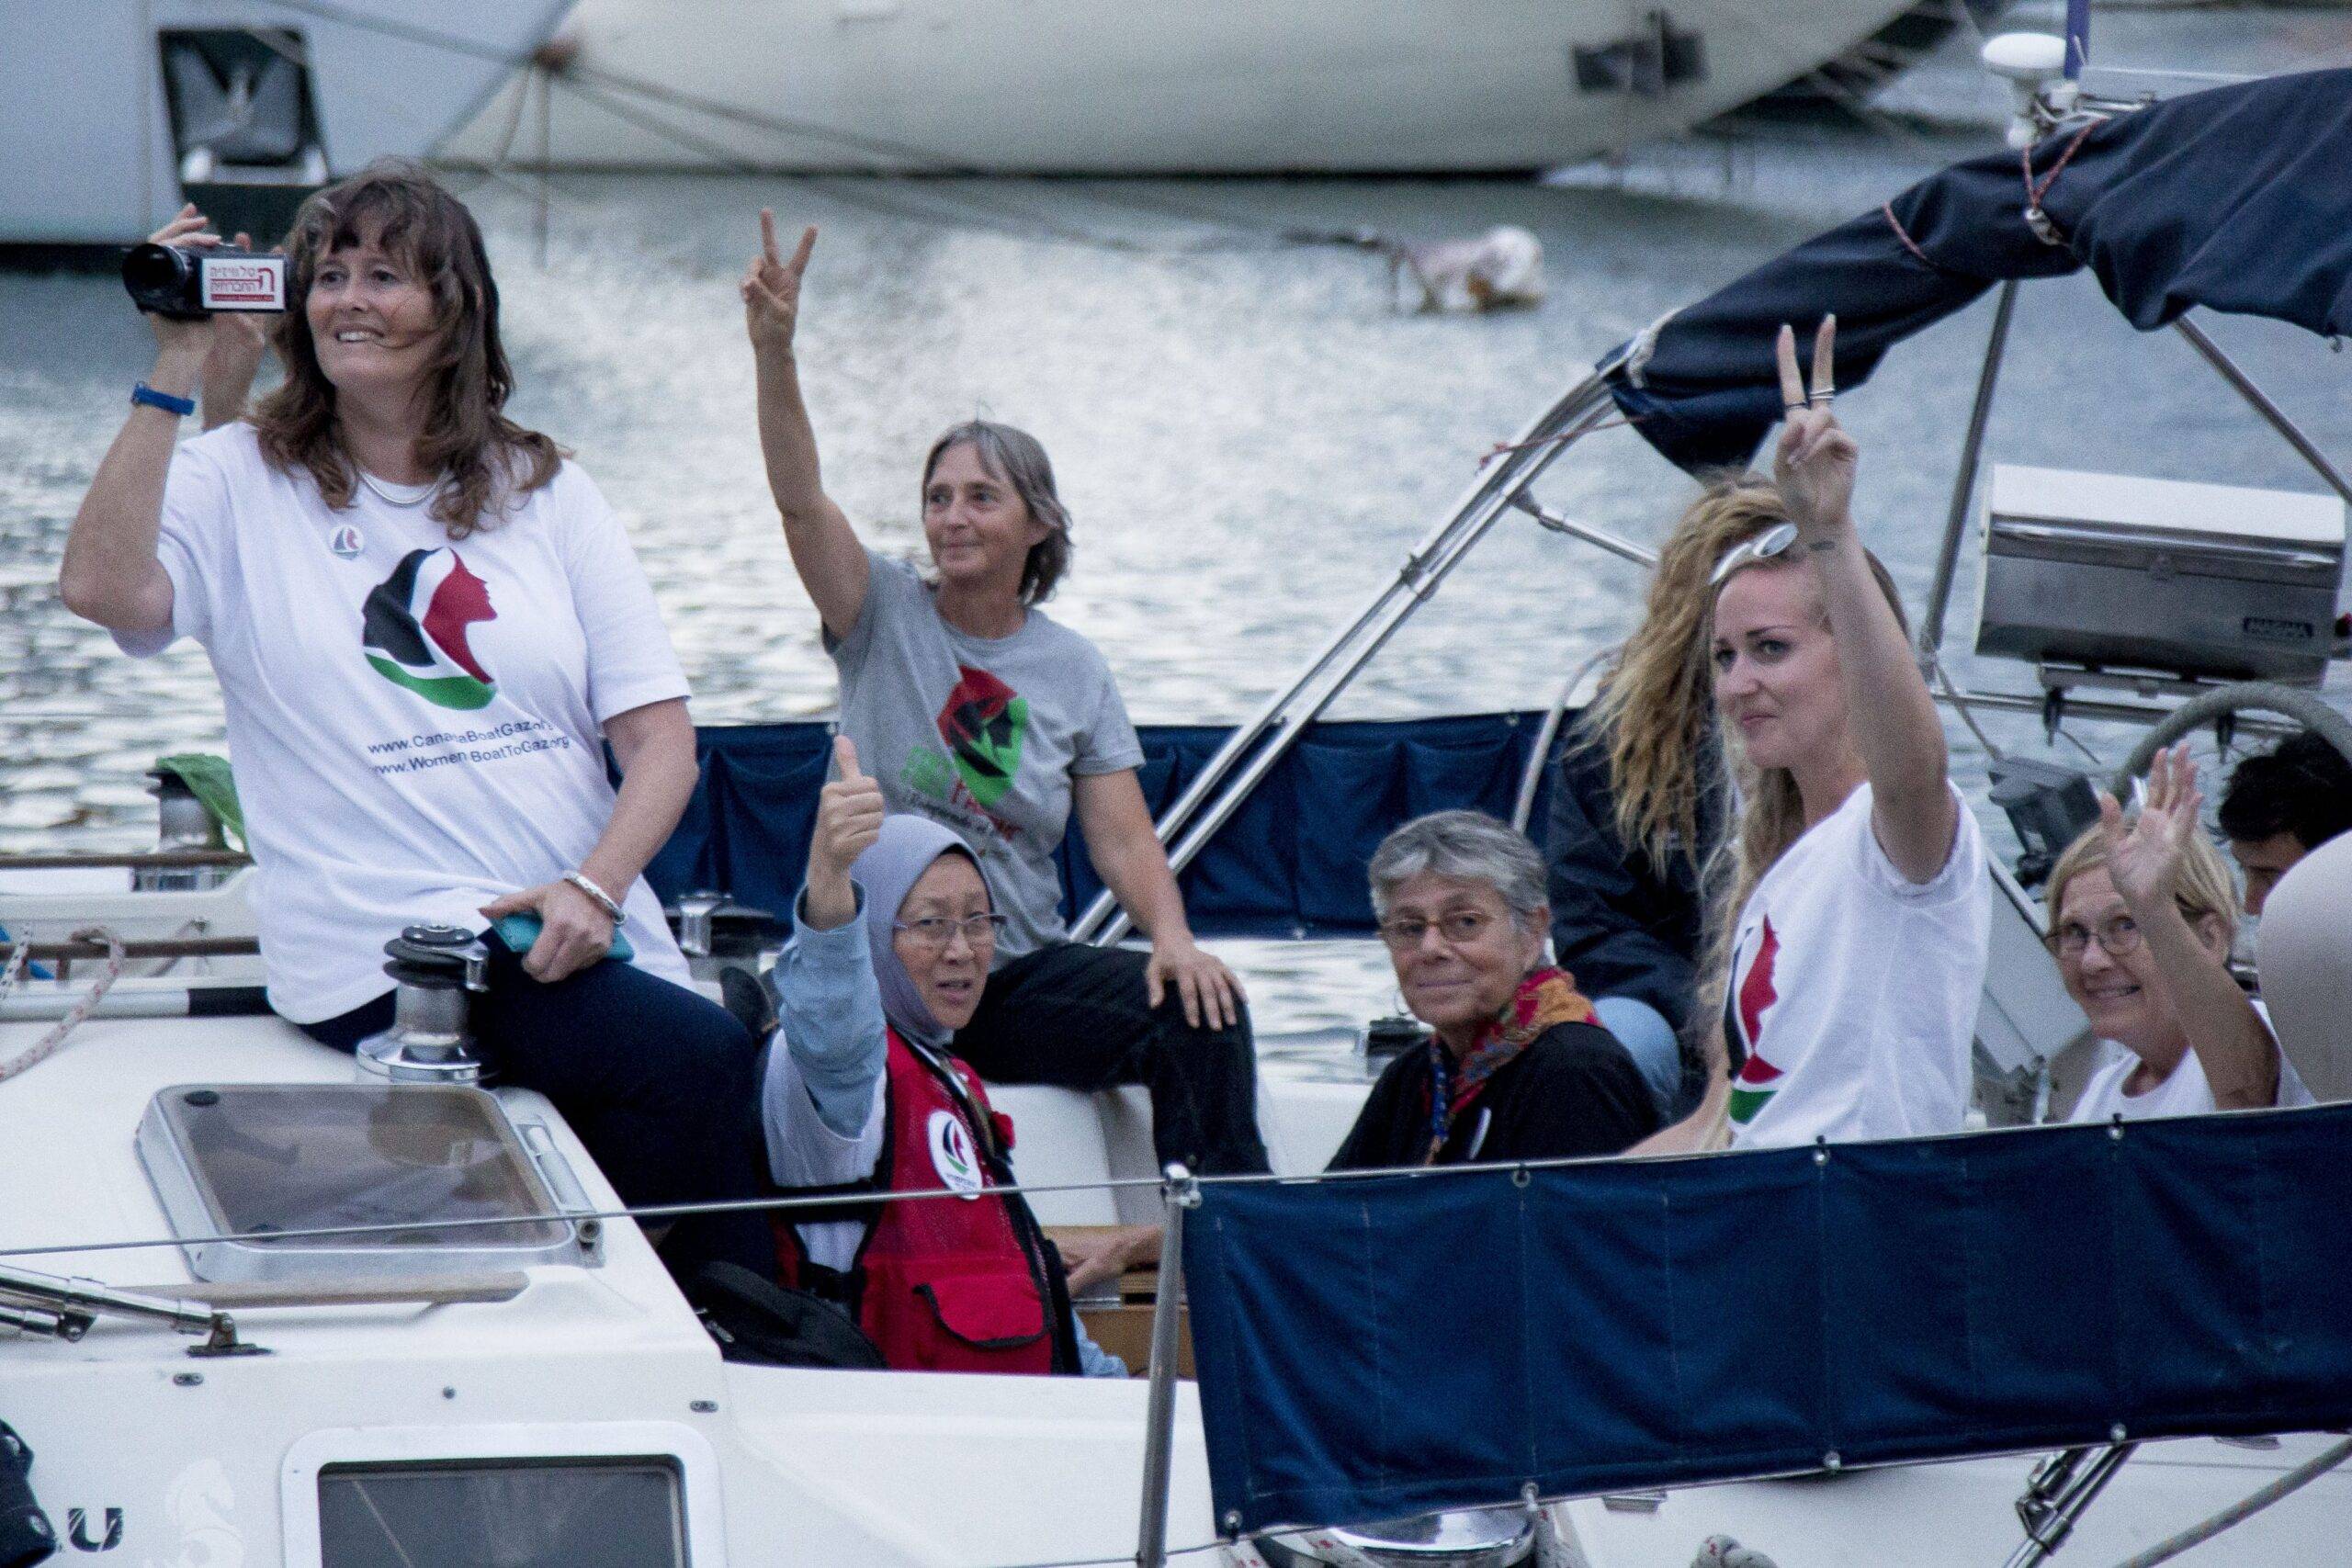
(121, 111)
(1223, 86)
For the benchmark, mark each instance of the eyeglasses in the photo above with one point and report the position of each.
(936, 931)
(1772, 541)
(2119, 935)
(1458, 929)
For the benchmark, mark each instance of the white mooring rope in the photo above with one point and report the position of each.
(47, 1043)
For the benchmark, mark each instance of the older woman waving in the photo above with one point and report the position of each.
(425, 622)
(975, 710)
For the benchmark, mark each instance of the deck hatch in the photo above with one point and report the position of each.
(246, 1159)
(620, 1512)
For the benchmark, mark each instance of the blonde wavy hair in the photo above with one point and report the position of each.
(2203, 887)
(1654, 711)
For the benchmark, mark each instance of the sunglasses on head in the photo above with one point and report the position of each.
(1773, 541)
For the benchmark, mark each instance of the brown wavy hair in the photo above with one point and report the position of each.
(1654, 712)
(489, 460)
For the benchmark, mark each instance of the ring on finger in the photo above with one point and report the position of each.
(1821, 396)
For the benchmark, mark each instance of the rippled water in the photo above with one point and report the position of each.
(1248, 434)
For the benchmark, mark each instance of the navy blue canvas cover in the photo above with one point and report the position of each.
(1377, 1347)
(2235, 198)
(1291, 862)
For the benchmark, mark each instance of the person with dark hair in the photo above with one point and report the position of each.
(1639, 802)
(427, 626)
(2282, 804)
(975, 709)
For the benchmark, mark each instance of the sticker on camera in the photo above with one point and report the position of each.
(253, 283)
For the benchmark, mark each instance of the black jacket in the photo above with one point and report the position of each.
(1623, 925)
(1573, 1092)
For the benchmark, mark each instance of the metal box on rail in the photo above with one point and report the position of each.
(2113, 572)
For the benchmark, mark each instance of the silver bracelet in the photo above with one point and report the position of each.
(603, 899)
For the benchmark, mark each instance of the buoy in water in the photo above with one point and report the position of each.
(1502, 267)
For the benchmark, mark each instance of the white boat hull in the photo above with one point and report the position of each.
(90, 158)
(1081, 87)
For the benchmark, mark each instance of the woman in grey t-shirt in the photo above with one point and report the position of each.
(973, 708)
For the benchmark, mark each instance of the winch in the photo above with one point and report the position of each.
(183, 823)
(428, 1041)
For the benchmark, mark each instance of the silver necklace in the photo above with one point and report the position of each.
(391, 498)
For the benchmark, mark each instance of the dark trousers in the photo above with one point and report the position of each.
(656, 1079)
(1074, 1015)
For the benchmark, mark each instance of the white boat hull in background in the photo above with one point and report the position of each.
(1081, 87)
(90, 157)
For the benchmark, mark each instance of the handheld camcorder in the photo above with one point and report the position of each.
(189, 284)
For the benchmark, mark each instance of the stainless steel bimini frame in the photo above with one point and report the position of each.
(1246, 758)
(1251, 753)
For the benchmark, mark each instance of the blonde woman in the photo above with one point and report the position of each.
(1638, 802)
(2142, 919)
(1858, 913)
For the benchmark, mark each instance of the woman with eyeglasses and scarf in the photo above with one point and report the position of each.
(892, 935)
(1853, 923)
(2143, 916)
(1518, 1067)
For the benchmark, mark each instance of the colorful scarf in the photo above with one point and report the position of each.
(1548, 997)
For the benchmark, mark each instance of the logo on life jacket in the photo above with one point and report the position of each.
(984, 724)
(952, 1153)
(413, 627)
(1757, 1080)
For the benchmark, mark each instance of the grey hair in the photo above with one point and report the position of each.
(1017, 457)
(1467, 844)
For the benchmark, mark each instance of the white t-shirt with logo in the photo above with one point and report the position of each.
(2184, 1092)
(415, 723)
(1854, 991)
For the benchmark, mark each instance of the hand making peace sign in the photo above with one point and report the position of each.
(1813, 463)
(771, 288)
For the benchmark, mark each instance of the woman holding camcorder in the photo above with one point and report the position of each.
(427, 624)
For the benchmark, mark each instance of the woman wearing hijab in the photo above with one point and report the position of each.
(892, 937)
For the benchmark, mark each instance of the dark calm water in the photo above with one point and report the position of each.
(1248, 434)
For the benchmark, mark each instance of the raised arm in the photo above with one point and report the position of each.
(2240, 1059)
(825, 549)
(1891, 716)
(835, 1042)
(110, 573)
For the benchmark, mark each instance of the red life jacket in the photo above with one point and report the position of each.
(939, 1284)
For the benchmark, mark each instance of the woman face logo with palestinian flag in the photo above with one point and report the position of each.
(413, 627)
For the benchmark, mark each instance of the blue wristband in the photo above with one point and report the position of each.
(143, 393)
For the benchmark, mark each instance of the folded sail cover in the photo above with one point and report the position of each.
(1386, 1345)
(2236, 198)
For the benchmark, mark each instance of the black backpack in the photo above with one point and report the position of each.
(759, 1321)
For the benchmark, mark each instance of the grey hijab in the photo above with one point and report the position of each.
(886, 872)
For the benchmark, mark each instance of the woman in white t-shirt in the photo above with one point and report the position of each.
(1855, 925)
(2142, 920)
(426, 624)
